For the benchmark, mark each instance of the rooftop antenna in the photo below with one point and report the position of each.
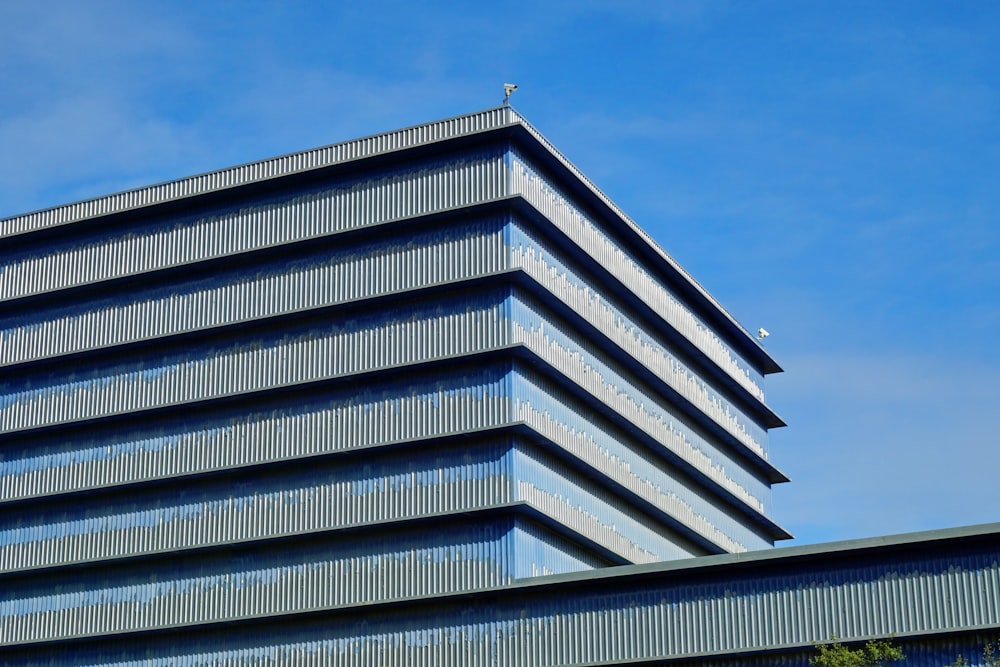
(508, 88)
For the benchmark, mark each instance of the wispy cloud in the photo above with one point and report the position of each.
(80, 83)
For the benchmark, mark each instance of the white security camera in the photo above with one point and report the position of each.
(508, 88)
(762, 333)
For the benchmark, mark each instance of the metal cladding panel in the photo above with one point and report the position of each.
(347, 152)
(326, 156)
(601, 308)
(538, 552)
(587, 367)
(71, 533)
(361, 344)
(397, 486)
(589, 511)
(246, 511)
(78, 531)
(349, 273)
(394, 344)
(567, 412)
(632, 226)
(707, 619)
(397, 564)
(360, 271)
(544, 407)
(472, 179)
(343, 420)
(399, 194)
(555, 205)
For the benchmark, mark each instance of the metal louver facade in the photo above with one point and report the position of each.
(427, 397)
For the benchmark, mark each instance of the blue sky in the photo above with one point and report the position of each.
(828, 170)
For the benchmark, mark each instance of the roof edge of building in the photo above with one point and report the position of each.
(257, 171)
(804, 552)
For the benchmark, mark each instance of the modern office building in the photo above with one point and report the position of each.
(422, 398)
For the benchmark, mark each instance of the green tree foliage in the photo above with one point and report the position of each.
(991, 657)
(876, 653)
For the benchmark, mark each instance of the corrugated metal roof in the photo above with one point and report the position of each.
(805, 552)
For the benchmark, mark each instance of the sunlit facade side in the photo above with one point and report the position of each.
(385, 376)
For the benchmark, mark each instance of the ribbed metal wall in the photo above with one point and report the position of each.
(356, 204)
(614, 453)
(629, 223)
(345, 152)
(394, 196)
(389, 339)
(566, 411)
(216, 517)
(607, 382)
(548, 198)
(601, 308)
(537, 552)
(341, 420)
(274, 505)
(397, 565)
(352, 272)
(715, 615)
(334, 498)
(477, 245)
(358, 273)
(348, 151)
(362, 344)
(607, 520)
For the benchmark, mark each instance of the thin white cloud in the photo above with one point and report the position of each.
(120, 95)
(81, 82)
